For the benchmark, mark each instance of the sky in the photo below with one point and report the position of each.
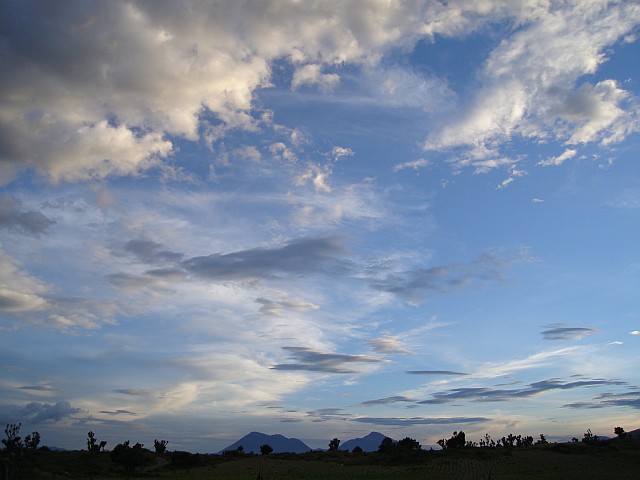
(319, 218)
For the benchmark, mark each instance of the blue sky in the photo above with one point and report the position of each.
(319, 219)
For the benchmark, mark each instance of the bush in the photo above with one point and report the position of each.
(185, 460)
(129, 457)
(266, 449)
(333, 445)
(160, 445)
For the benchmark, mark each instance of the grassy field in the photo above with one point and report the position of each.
(617, 459)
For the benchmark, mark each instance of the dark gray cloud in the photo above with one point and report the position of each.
(132, 391)
(38, 388)
(314, 361)
(416, 285)
(626, 399)
(559, 332)
(483, 394)
(148, 251)
(30, 222)
(127, 281)
(299, 257)
(118, 412)
(276, 308)
(387, 400)
(434, 372)
(407, 422)
(326, 414)
(44, 412)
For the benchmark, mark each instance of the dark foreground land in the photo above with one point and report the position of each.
(613, 459)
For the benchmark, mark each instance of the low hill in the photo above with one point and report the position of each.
(252, 442)
(368, 443)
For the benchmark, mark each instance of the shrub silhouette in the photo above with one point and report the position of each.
(333, 445)
(13, 442)
(129, 457)
(265, 449)
(357, 449)
(408, 443)
(620, 433)
(456, 441)
(387, 445)
(92, 444)
(160, 445)
(32, 441)
(589, 438)
(185, 460)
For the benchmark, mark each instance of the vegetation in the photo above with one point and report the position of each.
(160, 445)
(333, 445)
(517, 457)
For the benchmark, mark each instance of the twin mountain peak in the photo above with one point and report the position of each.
(252, 442)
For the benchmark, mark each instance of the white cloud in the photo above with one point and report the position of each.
(529, 85)
(312, 75)
(338, 152)
(19, 291)
(635, 332)
(414, 165)
(560, 159)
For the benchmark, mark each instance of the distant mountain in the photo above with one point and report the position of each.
(252, 442)
(368, 443)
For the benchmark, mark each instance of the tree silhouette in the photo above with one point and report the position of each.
(619, 431)
(408, 443)
(160, 445)
(265, 449)
(333, 445)
(386, 445)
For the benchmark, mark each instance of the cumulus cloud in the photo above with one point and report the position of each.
(312, 75)
(530, 87)
(44, 412)
(315, 361)
(92, 91)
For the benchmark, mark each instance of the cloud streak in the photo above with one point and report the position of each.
(314, 361)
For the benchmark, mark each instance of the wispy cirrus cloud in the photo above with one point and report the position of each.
(436, 372)
(625, 399)
(411, 421)
(387, 401)
(484, 394)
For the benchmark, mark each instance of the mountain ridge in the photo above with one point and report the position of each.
(252, 442)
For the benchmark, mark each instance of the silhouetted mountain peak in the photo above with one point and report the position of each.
(252, 442)
(368, 443)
